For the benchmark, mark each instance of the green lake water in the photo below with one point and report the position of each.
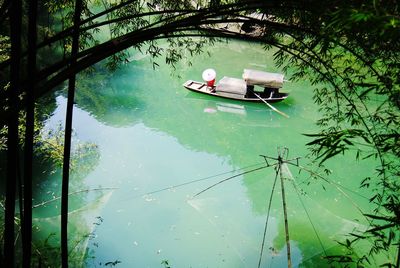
(159, 144)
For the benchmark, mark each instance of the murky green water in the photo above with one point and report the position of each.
(152, 135)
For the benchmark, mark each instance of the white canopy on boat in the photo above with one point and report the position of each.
(265, 79)
(231, 85)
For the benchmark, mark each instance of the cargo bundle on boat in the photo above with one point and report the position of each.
(256, 86)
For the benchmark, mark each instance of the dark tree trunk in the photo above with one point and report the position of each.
(67, 139)
(12, 136)
(29, 132)
(4, 8)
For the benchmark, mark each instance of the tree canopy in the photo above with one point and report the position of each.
(349, 50)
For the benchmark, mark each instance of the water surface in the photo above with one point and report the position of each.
(159, 144)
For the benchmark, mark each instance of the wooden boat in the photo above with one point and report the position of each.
(244, 89)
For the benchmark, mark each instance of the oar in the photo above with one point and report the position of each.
(270, 106)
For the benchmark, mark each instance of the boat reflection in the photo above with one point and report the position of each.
(227, 108)
(248, 114)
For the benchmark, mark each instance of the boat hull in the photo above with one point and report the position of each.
(201, 87)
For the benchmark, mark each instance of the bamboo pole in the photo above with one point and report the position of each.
(67, 139)
(29, 133)
(270, 106)
(285, 212)
(15, 19)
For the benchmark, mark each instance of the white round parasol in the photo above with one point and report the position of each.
(209, 75)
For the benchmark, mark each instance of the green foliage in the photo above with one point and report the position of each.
(166, 264)
(3, 138)
(349, 50)
(112, 263)
(352, 57)
(4, 48)
(336, 142)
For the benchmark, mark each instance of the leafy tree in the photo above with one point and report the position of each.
(348, 49)
(352, 56)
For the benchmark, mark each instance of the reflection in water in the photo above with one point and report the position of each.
(152, 133)
(47, 170)
(226, 108)
(81, 226)
(84, 204)
(110, 100)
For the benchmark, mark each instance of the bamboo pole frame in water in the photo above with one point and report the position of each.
(280, 161)
(278, 164)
